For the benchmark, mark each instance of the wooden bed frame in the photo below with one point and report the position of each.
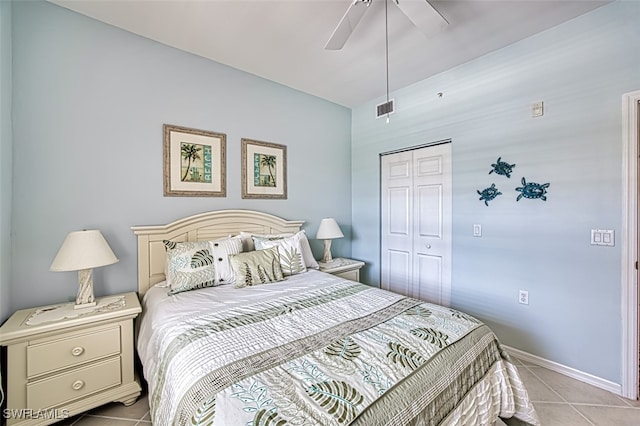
(204, 226)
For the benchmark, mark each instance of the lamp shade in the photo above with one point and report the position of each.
(83, 250)
(329, 229)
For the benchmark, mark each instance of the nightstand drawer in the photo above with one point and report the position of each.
(349, 275)
(74, 384)
(62, 353)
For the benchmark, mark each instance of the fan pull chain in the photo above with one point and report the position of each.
(386, 42)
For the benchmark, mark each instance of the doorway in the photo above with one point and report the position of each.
(416, 199)
(630, 244)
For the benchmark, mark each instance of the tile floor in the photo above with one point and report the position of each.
(559, 401)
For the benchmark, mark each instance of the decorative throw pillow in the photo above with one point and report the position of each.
(247, 239)
(256, 267)
(307, 254)
(290, 251)
(199, 264)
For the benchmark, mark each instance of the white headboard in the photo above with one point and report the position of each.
(204, 226)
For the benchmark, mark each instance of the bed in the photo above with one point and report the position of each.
(283, 343)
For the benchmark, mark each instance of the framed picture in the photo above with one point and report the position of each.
(264, 170)
(194, 162)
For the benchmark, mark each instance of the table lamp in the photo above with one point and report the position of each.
(327, 231)
(82, 251)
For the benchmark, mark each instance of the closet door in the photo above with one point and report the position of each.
(416, 223)
(397, 223)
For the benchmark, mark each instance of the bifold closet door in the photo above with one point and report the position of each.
(416, 223)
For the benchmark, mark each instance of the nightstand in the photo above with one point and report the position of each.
(348, 269)
(61, 361)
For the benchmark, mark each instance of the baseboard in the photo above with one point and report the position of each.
(567, 371)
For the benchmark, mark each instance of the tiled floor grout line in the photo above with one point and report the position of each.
(558, 394)
(142, 421)
(580, 414)
(625, 407)
(112, 417)
(77, 420)
(626, 401)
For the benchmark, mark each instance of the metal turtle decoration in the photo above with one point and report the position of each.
(488, 194)
(502, 168)
(532, 190)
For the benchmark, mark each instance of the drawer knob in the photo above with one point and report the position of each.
(77, 351)
(77, 385)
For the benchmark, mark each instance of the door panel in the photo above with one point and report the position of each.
(426, 166)
(432, 237)
(429, 274)
(398, 278)
(429, 217)
(399, 211)
(396, 229)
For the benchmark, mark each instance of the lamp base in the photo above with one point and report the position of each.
(326, 257)
(85, 297)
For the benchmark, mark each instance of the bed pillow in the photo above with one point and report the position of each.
(199, 264)
(307, 254)
(290, 250)
(256, 267)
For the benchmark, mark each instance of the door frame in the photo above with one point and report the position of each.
(630, 218)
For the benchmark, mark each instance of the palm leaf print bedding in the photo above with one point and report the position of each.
(335, 354)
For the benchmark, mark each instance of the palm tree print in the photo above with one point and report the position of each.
(269, 161)
(189, 153)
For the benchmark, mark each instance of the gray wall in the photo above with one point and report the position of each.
(580, 70)
(5, 159)
(89, 104)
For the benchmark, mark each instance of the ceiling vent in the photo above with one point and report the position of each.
(384, 109)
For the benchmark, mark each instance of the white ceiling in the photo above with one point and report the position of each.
(283, 40)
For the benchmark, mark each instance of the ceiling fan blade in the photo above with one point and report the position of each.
(347, 24)
(423, 15)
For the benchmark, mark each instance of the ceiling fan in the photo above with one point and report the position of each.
(427, 19)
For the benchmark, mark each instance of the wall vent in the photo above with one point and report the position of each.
(384, 109)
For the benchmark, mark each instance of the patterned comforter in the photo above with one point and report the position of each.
(319, 350)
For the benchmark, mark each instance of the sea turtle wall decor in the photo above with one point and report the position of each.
(488, 194)
(502, 168)
(532, 190)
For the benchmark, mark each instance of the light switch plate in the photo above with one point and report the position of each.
(603, 237)
(537, 109)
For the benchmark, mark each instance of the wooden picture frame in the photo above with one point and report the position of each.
(194, 162)
(264, 170)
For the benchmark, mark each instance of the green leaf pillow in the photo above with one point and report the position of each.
(199, 264)
(290, 250)
(256, 267)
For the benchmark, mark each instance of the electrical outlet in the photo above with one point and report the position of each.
(523, 297)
